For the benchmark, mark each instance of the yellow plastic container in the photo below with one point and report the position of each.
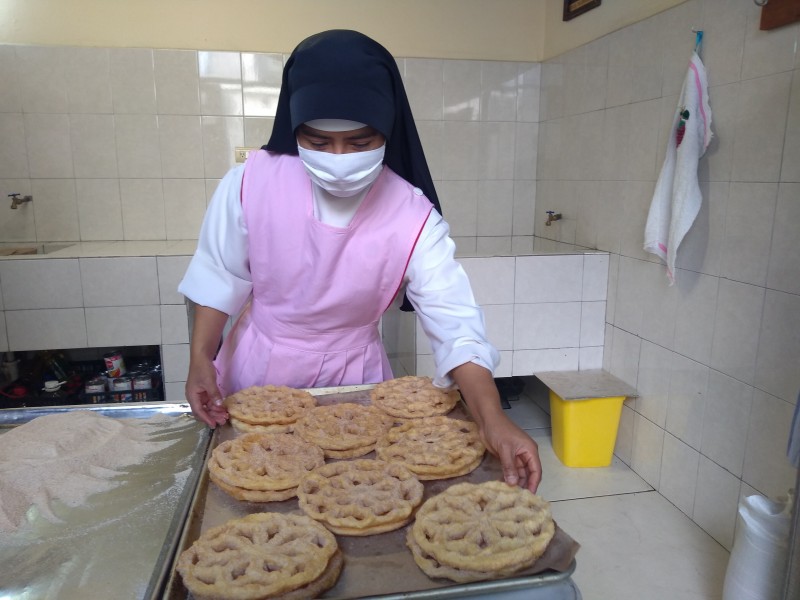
(584, 431)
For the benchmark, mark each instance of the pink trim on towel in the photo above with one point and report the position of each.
(697, 83)
(662, 247)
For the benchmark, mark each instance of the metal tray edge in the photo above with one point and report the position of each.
(177, 529)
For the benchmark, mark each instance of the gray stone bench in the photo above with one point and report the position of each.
(591, 383)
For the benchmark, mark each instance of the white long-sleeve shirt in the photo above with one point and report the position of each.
(219, 275)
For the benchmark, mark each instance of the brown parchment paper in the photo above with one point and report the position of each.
(378, 564)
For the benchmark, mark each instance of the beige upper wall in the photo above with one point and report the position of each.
(473, 29)
(524, 30)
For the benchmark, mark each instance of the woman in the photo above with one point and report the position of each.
(312, 239)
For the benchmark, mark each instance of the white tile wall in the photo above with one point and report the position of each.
(784, 258)
(123, 325)
(544, 312)
(688, 387)
(653, 383)
(714, 357)
(170, 273)
(132, 79)
(648, 449)
(136, 133)
(678, 478)
(716, 497)
(556, 279)
(46, 328)
(41, 284)
(727, 413)
(174, 325)
(177, 82)
(119, 281)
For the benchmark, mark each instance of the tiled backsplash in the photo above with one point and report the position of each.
(543, 312)
(89, 301)
(129, 143)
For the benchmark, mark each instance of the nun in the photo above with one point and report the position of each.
(318, 233)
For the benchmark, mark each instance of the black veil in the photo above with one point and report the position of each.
(343, 74)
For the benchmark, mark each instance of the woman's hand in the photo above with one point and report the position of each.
(203, 394)
(201, 383)
(518, 453)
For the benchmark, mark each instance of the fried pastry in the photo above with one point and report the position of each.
(321, 584)
(254, 495)
(360, 497)
(436, 570)
(260, 556)
(413, 397)
(433, 447)
(269, 405)
(345, 430)
(249, 466)
(480, 531)
(243, 427)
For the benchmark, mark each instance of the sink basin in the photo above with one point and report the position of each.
(24, 249)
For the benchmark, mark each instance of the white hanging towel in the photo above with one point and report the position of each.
(677, 197)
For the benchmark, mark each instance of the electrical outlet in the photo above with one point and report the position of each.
(240, 154)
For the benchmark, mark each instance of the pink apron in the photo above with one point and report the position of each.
(318, 291)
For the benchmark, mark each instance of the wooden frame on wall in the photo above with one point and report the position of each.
(777, 13)
(573, 8)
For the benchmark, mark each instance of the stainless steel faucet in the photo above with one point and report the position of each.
(16, 200)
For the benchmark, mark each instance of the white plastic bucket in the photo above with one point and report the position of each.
(757, 565)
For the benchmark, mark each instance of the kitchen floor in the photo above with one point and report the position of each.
(634, 543)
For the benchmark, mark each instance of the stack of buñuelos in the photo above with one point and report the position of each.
(268, 408)
(413, 397)
(346, 430)
(263, 467)
(433, 447)
(360, 497)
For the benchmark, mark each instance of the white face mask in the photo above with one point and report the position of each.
(343, 175)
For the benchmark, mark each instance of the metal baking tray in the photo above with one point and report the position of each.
(377, 566)
(122, 543)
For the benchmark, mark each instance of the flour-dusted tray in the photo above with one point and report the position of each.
(378, 565)
(121, 543)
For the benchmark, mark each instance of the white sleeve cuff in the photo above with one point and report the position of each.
(207, 284)
(448, 357)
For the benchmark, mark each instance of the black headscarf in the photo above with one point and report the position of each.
(343, 74)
